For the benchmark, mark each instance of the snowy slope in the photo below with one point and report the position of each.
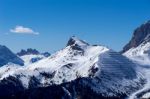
(143, 92)
(138, 50)
(29, 59)
(117, 75)
(108, 72)
(140, 54)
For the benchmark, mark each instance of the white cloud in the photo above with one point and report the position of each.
(23, 30)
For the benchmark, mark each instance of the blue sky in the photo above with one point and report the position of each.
(47, 24)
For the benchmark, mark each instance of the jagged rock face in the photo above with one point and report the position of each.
(73, 40)
(140, 35)
(28, 52)
(7, 56)
(138, 49)
(77, 44)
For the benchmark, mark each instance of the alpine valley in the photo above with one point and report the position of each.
(79, 71)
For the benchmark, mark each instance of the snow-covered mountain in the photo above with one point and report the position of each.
(6, 56)
(138, 49)
(104, 71)
(30, 56)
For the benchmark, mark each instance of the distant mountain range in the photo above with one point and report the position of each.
(79, 71)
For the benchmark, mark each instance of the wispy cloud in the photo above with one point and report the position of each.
(23, 30)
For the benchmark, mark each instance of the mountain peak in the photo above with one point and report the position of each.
(140, 35)
(75, 41)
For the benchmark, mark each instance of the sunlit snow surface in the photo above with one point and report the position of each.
(109, 72)
(141, 55)
(27, 58)
(80, 64)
